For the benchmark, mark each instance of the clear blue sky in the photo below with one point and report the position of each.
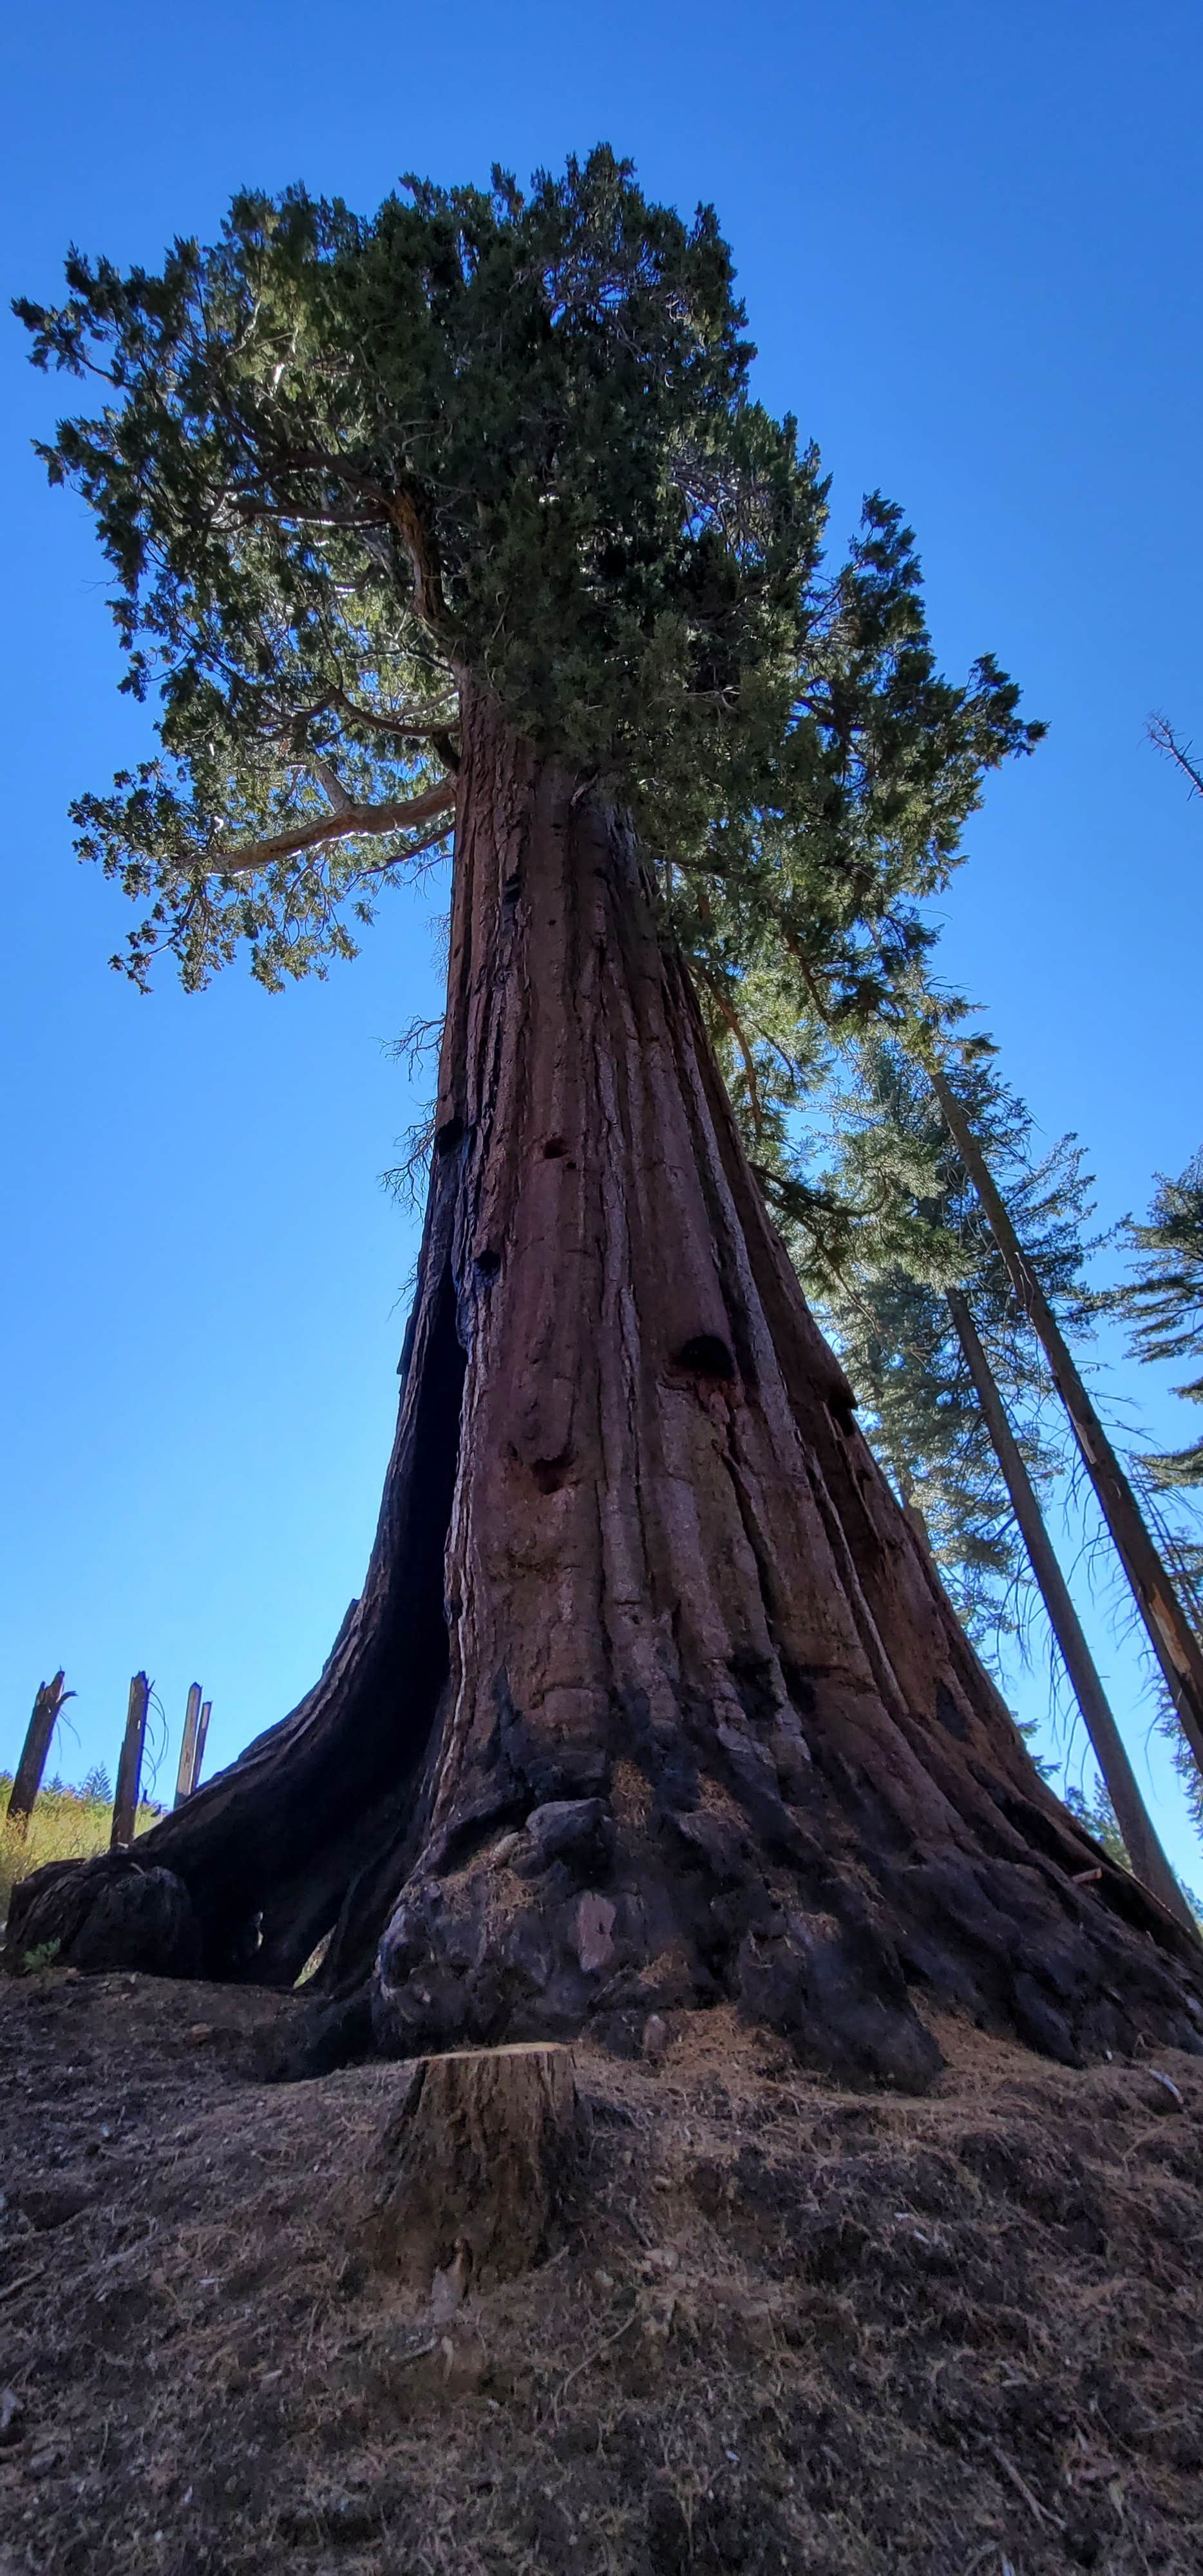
(969, 243)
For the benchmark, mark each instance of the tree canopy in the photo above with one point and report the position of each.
(346, 466)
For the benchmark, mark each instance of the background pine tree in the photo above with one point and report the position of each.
(1163, 1303)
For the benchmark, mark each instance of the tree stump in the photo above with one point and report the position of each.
(473, 2165)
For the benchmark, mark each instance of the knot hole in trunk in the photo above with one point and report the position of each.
(549, 1473)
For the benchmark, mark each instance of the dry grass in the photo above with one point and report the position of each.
(66, 1824)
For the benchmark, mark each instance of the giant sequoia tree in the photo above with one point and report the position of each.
(465, 516)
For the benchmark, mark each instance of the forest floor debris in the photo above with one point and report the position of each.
(788, 2326)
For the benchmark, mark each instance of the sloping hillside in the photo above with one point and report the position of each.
(788, 2327)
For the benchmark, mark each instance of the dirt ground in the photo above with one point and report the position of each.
(788, 2327)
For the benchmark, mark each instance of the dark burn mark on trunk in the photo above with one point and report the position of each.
(950, 1713)
(706, 1356)
(529, 1771)
(435, 1465)
(449, 1135)
(366, 1865)
(753, 1678)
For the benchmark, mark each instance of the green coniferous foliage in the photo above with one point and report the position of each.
(951, 1375)
(1173, 1513)
(780, 1034)
(1095, 1811)
(1163, 1302)
(802, 912)
(913, 1232)
(343, 461)
(1093, 1808)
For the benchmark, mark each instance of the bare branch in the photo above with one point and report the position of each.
(802, 962)
(329, 781)
(402, 508)
(414, 850)
(351, 819)
(256, 506)
(420, 1039)
(407, 1178)
(413, 724)
(1163, 738)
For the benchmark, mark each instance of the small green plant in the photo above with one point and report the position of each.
(36, 1961)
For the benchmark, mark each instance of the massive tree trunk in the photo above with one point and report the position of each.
(652, 1697)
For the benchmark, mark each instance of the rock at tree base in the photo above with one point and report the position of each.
(113, 1911)
(473, 2165)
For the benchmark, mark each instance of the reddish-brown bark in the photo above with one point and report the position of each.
(652, 1695)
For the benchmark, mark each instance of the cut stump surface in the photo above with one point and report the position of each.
(473, 2164)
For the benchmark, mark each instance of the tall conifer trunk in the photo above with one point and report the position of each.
(652, 1697)
(1169, 1630)
(1135, 1823)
